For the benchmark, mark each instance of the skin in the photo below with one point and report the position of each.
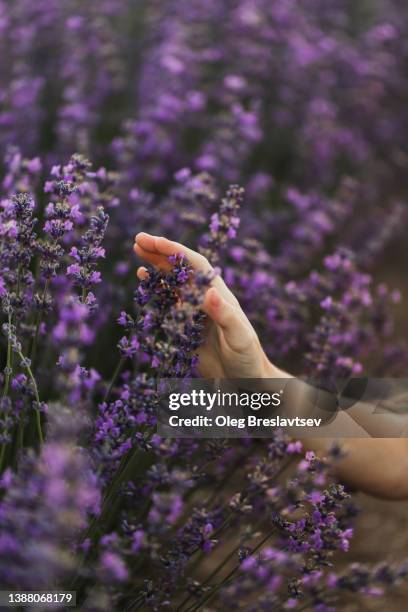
(232, 349)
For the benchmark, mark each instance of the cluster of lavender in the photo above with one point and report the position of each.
(35, 528)
(294, 100)
(38, 296)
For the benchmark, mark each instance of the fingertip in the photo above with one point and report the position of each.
(142, 273)
(212, 303)
(138, 249)
(141, 236)
(145, 254)
(146, 241)
(214, 298)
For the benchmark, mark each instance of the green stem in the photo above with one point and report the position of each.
(18, 281)
(211, 576)
(37, 397)
(2, 453)
(134, 464)
(114, 378)
(223, 526)
(9, 356)
(217, 587)
(21, 433)
(38, 323)
(6, 386)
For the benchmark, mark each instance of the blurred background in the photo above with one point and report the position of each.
(303, 102)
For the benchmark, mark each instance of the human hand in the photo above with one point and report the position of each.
(232, 348)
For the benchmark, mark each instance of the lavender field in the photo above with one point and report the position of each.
(270, 135)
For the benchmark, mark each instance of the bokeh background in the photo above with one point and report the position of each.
(304, 103)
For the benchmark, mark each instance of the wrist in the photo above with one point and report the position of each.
(269, 370)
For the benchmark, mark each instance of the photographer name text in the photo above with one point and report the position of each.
(241, 422)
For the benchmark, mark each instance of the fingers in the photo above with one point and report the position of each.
(157, 249)
(219, 310)
(219, 303)
(237, 332)
(160, 261)
(142, 273)
(197, 261)
(146, 241)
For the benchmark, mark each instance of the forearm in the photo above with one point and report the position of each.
(233, 350)
(377, 466)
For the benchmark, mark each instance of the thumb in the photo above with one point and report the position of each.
(235, 329)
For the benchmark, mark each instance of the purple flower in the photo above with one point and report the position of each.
(113, 567)
(213, 87)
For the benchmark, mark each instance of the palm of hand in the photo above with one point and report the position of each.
(231, 348)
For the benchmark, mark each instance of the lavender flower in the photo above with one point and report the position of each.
(43, 507)
(297, 102)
